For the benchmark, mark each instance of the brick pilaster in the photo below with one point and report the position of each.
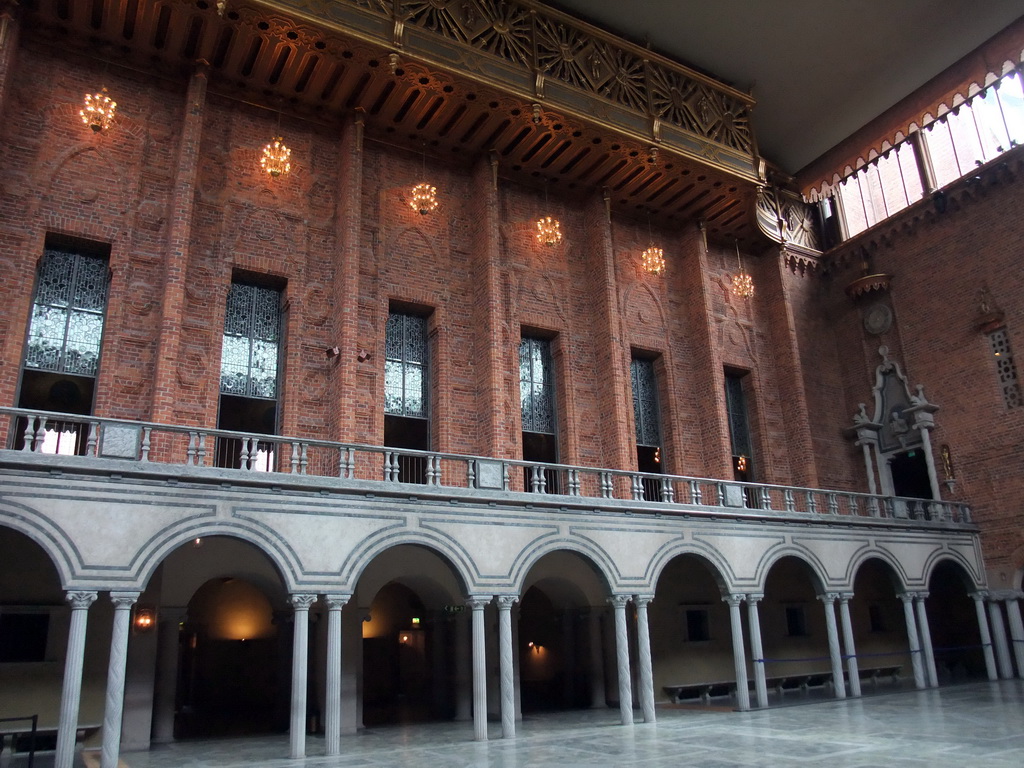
(177, 252)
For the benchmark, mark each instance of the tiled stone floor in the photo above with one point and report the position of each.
(966, 726)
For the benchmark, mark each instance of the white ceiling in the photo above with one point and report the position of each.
(819, 69)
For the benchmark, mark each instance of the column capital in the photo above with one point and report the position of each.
(336, 602)
(921, 595)
(906, 597)
(80, 599)
(754, 597)
(124, 599)
(301, 601)
(734, 600)
(619, 601)
(845, 597)
(478, 602)
(980, 595)
(642, 600)
(505, 602)
(828, 597)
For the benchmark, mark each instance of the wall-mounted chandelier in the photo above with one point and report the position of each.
(276, 158)
(742, 282)
(549, 231)
(98, 112)
(653, 257)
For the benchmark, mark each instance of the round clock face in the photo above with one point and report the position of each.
(878, 319)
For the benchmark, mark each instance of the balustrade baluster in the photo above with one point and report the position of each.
(812, 502)
(667, 493)
(201, 450)
(471, 474)
(695, 492)
(506, 481)
(190, 451)
(293, 463)
(303, 458)
(766, 498)
(607, 486)
(788, 501)
(433, 472)
(387, 466)
(92, 441)
(37, 446)
(146, 442)
(350, 463)
(637, 487)
(28, 437)
(574, 482)
(833, 503)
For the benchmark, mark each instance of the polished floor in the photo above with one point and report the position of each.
(979, 724)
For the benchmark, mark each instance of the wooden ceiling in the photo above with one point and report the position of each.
(259, 53)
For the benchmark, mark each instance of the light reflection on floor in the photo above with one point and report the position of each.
(980, 724)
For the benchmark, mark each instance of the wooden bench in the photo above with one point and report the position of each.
(874, 673)
(703, 692)
(15, 739)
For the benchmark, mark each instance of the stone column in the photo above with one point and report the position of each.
(756, 650)
(838, 680)
(643, 635)
(738, 653)
(848, 644)
(332, 724)
(463, 679)
(995, 615)
(477, 605)
(1016, 631)
(168, 625)
(71, 691)
(986, 637)
(926, 639)
(505, 659)
(300, 665)
(114, 706)
(618, 602)
(915, 649)
(598, 695)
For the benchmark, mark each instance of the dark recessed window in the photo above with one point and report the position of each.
(23, 637)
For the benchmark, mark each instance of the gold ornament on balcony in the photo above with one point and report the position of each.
(653, 257)
(424, 195)
(549, 231)
(276, 158)
(742, 282)
(98, 112)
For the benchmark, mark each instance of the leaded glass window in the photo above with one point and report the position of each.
(252, 337)
(405, 366)
(739, 425)
(645, 402)
(67, 315)
(536, 386)
(1005, 367)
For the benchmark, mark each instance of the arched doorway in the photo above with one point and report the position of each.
(793, 629)
(691, 640)
(223, 642)
(953, 621)
(880, 627)
(415, 638)
(562, 635)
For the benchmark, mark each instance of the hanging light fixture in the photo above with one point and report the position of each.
(742, 282)
(98, 112)
(653, 257)
(424, 195)
(549, 231)
(276, 158)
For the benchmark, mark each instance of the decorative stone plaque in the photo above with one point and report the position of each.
(490, 475)
(120, 441)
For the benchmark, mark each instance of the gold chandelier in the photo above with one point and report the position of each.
(98, 112)
(549, 231)
(276, 158)
(424, 195)
(653, 257)
(742, 282)
(654, 260)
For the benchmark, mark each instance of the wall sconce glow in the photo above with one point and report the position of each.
(144, 619)
(424, 199)
(98, 112)
(415, 621)
(403, 639)
(741, 463)
(535, 647)
(549, 231)
(276, 158)
(654, 260)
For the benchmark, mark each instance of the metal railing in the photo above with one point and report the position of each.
(256, 455)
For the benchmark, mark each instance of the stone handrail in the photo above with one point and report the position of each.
(256, 455)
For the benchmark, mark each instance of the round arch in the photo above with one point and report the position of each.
(813, 564)
(716, 564)
(56, 547)
(456, 556)
(964, 568)
(895, 568)
(596, 557)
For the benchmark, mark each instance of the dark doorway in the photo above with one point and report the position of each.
(910, 475)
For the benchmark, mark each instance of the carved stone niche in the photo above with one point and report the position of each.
(899, 426)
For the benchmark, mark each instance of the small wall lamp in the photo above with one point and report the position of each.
(145, 619)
